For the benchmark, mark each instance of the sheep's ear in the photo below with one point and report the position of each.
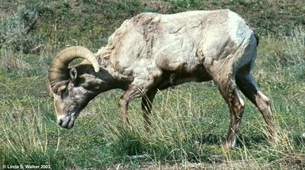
(73, 74)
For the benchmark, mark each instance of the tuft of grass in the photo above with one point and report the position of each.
(24, 134)
(9, 61)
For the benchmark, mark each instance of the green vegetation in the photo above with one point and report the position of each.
(189, 121)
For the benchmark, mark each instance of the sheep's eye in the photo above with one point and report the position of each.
(63, 92)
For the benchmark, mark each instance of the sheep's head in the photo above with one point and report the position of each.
(71, 92)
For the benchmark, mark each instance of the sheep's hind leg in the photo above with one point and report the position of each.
(247, 85)
(230, 93)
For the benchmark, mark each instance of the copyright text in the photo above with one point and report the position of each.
(25, 167)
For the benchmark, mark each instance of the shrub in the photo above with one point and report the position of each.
(15, 30)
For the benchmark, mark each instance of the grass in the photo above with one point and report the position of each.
(189, 121)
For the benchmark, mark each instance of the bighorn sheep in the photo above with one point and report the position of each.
(152, 51)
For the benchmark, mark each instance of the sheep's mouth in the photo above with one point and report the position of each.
(67, 121)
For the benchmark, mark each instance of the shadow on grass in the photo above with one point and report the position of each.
(242, 140)
(245, 140)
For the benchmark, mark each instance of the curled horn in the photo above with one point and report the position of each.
(58, 70)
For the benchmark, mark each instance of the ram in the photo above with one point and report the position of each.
(151, 52)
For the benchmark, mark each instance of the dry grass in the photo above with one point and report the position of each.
(189, 121)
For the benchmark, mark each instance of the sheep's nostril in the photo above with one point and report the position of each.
(60, 122)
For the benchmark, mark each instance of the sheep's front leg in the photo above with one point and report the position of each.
(146, 107)
(131, 93)
(123, 105)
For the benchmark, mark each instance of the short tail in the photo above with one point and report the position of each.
(256, 36)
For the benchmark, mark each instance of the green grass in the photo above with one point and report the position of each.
(189, 122)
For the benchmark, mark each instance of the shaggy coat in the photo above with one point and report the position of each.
(153, 51)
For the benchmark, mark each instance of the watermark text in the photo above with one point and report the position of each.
(4, 167)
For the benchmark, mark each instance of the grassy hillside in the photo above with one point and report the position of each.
(189, 121)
